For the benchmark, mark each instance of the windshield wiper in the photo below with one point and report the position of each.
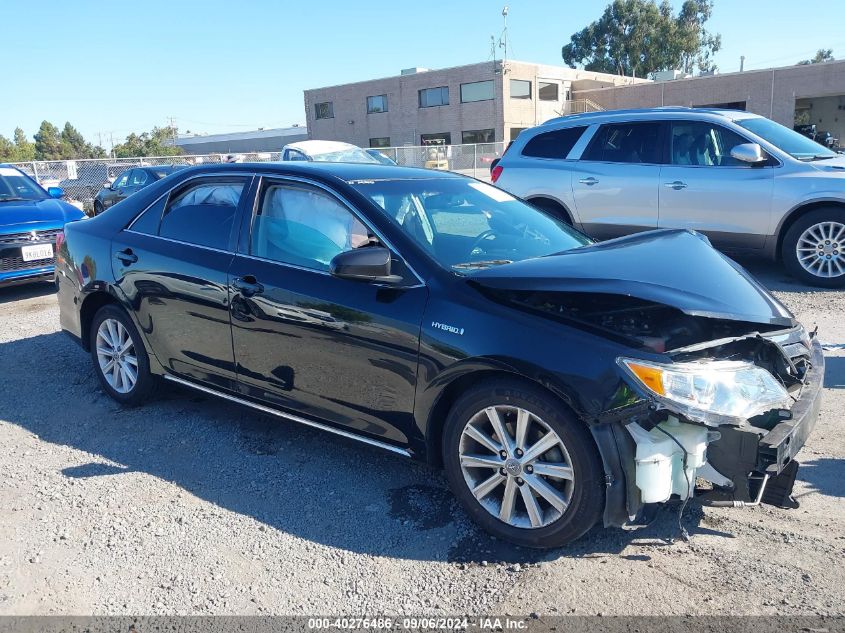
(12, 199)
(814, 157)
(483, 264)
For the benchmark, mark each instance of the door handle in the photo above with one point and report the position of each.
(126, 256)
(677, 185)
(247, 285)
(589, 181)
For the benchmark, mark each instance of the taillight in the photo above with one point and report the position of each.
(60, 239)
(497, 171)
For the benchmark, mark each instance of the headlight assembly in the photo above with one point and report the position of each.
(710, 391)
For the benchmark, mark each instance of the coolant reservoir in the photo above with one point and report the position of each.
(659, 459)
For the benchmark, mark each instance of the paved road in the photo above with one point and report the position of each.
(190, 505)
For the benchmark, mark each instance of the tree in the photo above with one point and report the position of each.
(48, 142)
(639, 37)
(17, 151)
(822, 55)
(74, 145)
(155, 143)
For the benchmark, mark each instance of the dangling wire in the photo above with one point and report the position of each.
(681, 528)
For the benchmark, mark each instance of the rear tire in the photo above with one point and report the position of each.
(565, 480)
(813, 248)
(120, 360)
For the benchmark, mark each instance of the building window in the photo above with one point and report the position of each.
(376, 104)
(515, 131)
(520, 89)
(426, 139)
(478, 136)
(547, 91)
(324, 110)
(477, 91)
(380, 141)
(430, 97)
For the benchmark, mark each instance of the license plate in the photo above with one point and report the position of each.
(36, 251)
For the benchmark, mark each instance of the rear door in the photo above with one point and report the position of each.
(172, 265)
(336, 349)
(615, 183)
(704, 188)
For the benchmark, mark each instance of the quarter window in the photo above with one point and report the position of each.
(202, 213)
(626, 143)
(478, 136)
(324, 110)
(477, 91)
(376, 104)
(555, 144)
(547, 91)
(699, 143)
(431, 97)
(520, 89)
(303, 226)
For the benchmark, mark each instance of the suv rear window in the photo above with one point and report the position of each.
(626, 143)
(555, 144)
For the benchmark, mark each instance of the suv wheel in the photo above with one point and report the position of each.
(120, 360)
(523, 468)
(814, 248)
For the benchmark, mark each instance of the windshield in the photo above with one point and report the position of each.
(467, 225)
(790, 141)
(351, 155)
(14, 185)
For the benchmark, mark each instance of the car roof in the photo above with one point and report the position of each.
(320, 147)
(345, 172)
(668, 112)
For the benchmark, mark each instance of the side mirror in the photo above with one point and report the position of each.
(364, 264)
(55, 192)
(750, 153)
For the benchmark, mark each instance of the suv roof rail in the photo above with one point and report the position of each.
(586, 116)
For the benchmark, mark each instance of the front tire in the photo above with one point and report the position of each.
(120, 360)
(524, 468)
(813, 248)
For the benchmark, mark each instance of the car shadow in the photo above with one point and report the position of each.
(27, 291)
(823, 475)
(775, 278)
(834, 372)
(292, 478)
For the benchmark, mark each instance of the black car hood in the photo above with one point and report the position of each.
(677, 268)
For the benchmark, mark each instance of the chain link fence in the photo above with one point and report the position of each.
(82, 179)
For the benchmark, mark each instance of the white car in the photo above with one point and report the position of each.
(326, 152)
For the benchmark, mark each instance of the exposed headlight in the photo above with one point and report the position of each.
(709, 390)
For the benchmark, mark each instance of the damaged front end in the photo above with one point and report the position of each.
(722, 421)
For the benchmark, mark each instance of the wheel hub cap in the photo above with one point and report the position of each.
(116, 356)
(820, 249)
(516, 466)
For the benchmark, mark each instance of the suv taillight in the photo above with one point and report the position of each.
(497, 171)
(60, 239)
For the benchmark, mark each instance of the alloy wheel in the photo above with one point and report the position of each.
(116, 356)
(821, 249)
(516, 466)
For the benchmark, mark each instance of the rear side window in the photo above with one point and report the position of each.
(555, 144)
(626, 143)
(203, 212)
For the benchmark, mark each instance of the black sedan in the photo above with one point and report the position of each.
(559, 382)
(129, 182)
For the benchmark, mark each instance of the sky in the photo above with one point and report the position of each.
(221, 66)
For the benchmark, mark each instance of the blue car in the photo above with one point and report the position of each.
(31, 220)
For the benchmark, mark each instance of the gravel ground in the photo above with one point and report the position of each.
(192, 505)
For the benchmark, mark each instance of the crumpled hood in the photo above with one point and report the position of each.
(673, 267)
(27, 215)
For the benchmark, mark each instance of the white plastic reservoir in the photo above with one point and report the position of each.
(660, 460)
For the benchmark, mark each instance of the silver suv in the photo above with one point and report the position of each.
(748, 183)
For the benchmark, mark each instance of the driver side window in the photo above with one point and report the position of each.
(303, 226)
(122, 180)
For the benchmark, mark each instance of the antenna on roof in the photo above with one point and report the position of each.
(503, 38)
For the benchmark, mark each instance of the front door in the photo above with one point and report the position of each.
(340, 350)
(615, 183)
(704, 188)
(172, 265)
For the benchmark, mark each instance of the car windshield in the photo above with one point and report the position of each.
(467, 225)
(351, 155)
(14, 185)
(790, 141)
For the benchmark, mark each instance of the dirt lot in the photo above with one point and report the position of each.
(190, 505)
